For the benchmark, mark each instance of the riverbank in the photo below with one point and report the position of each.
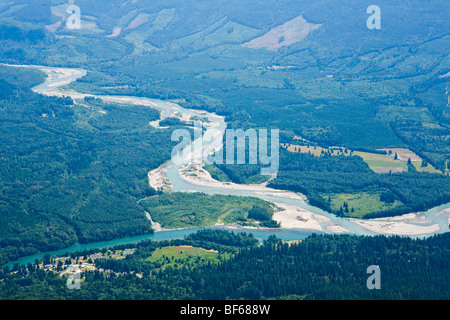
(292, 217)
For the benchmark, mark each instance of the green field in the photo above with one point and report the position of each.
(180, 256)
(429, 168)
(381, 163)
(362, 203)
(315, 150)
(189, 210)
(376, 162)
(182, 252)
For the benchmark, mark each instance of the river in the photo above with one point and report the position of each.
(433, 221)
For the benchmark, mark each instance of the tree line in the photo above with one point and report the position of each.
(319, 267)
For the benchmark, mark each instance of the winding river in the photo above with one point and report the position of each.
(433, 221)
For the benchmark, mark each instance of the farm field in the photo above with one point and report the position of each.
(182, 252)
(358, 205)
(184, 256)
(379, 163)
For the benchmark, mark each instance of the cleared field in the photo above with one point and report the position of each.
(180, 256)
(361, 203)
(189, 210)
(317, 151)
(286, 34)
(379, 163)
(429, 168)
(403, 154)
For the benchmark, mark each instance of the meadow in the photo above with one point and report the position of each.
(184, 256)
(189, 210)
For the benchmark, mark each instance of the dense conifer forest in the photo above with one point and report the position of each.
(320, 267)
(70, 173)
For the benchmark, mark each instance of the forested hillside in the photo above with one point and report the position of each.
(318, 268)
(341, 85)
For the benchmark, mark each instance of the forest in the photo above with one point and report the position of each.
(71, 173)
(321, 178)
(321, 267)
(326, 179)
(366, 92)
